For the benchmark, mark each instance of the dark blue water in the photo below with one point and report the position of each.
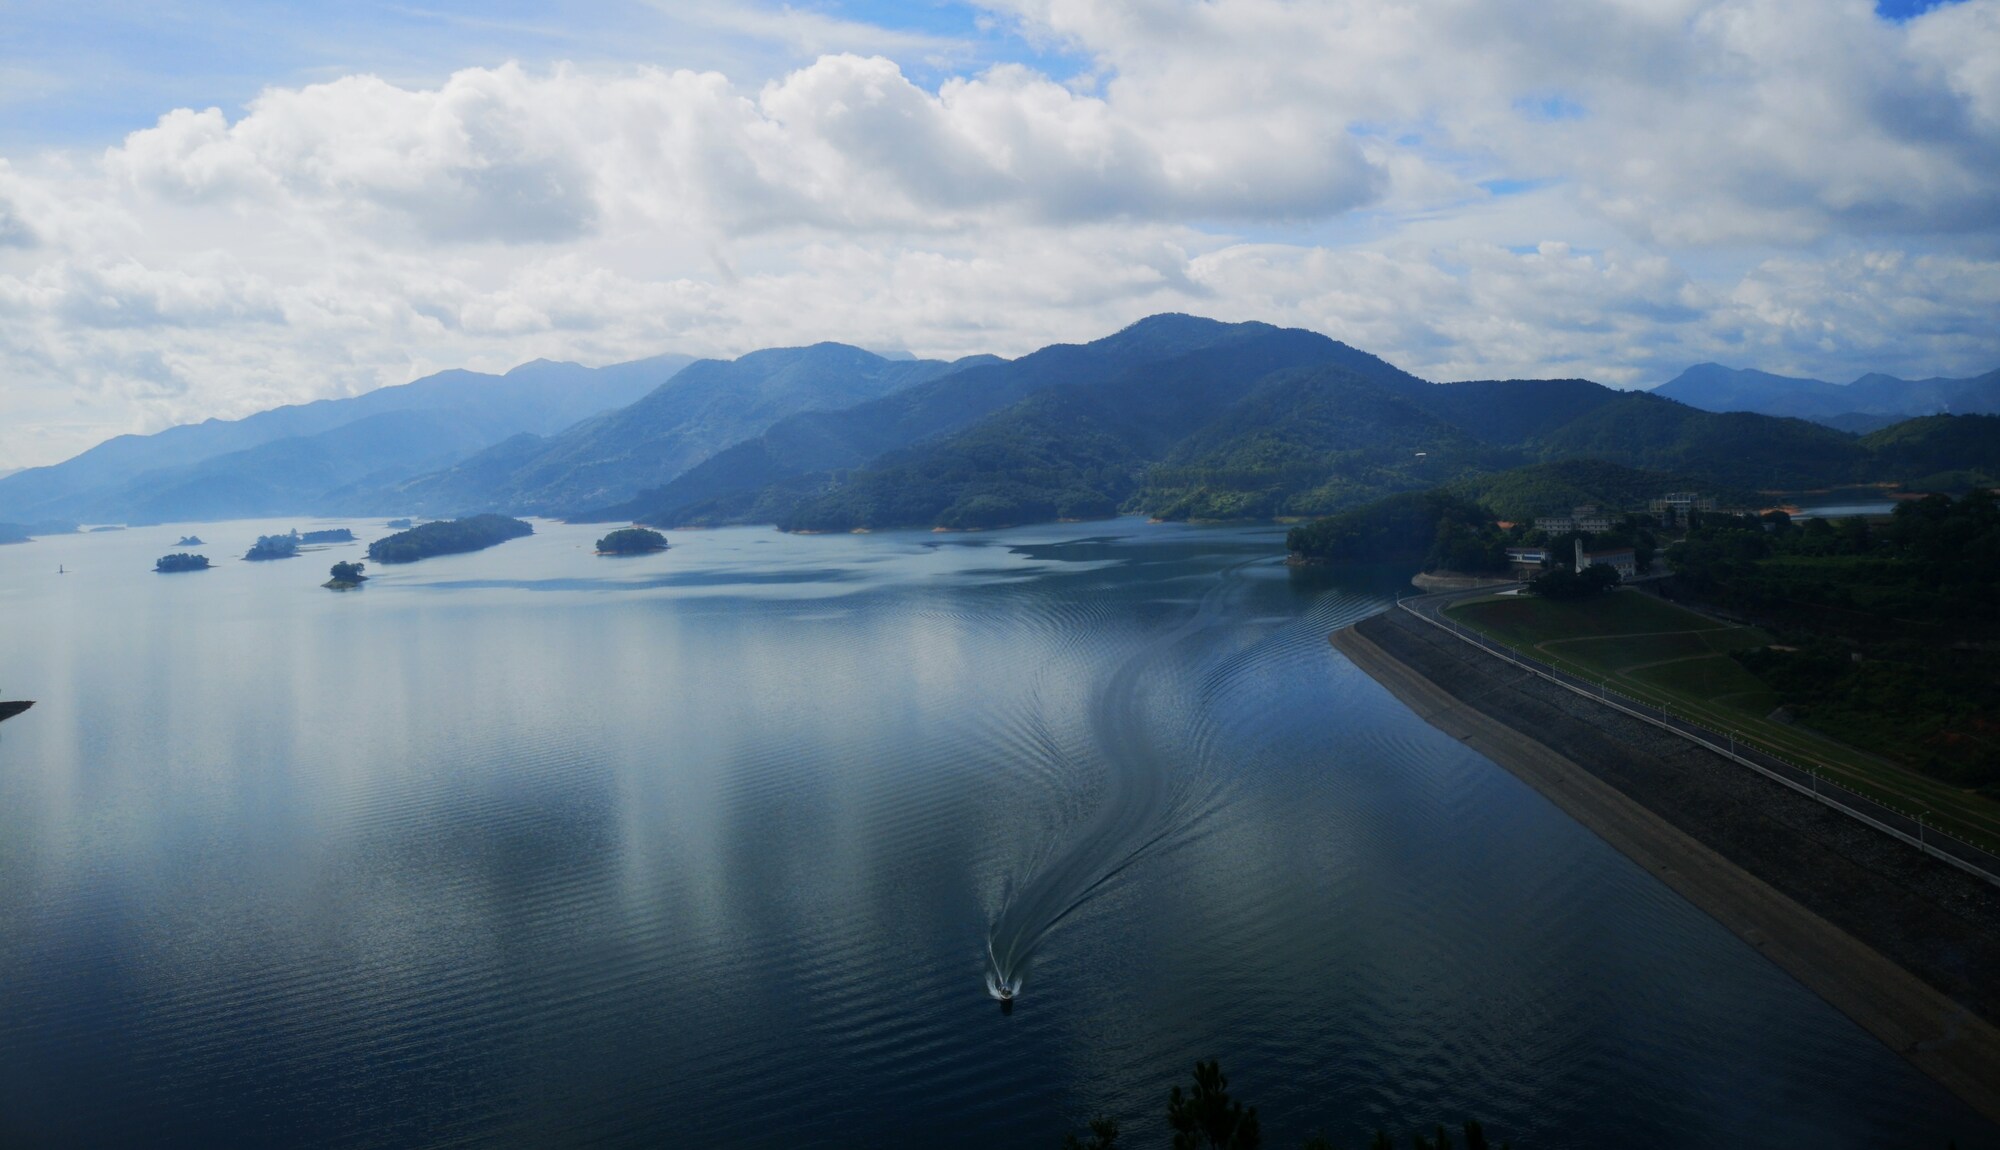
(709, 847)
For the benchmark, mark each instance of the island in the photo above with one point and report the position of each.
(13, 533)
(447, 537)
(632, 541)
(274, 547)
(333, 535)
(180, 561)
(346, 577)
(398, 523)
(190, 541)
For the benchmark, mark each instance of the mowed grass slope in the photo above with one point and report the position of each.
(1679, 661)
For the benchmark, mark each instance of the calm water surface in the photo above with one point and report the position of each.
(530, 847)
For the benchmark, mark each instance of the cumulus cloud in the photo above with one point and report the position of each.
(1609, 188)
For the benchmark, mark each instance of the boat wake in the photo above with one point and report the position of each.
(1136, 811)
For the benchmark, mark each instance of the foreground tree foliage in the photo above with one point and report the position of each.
(1208, 1118)
(447, 537)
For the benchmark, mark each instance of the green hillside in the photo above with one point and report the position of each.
(1737, 448)
(1064, 452)
(761, 479)
(1308, 443)
(1522, 493)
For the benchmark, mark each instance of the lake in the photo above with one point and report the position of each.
(708, 847)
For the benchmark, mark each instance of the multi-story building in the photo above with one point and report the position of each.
(1675, 505)
(1619, 559)
(1587, 519)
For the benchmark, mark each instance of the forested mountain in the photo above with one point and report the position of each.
(760, 480)
(1869, 402)
(1513, 411)
(435, 417)
(1521, 493)
(1257, 422)
(1939, 452)
(1175, 416)
(1740, 449)
(1307, 443)
(1064, 452)
(709, 405)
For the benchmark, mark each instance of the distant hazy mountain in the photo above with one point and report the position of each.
(1851, 407)
(708, 406)
(432, 419)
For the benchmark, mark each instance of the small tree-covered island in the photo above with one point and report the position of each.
(632, 541)
(190, 541)
(180, 561)
(346, 577)
(447, 537)
(274, 547)
(331, 535)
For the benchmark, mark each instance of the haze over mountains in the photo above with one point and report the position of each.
(1870, 402)
(1175, 416)
(286, 460)
(708, 406)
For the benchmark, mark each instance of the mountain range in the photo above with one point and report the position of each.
(1869, 403)
(286, 460)
(1176, 417)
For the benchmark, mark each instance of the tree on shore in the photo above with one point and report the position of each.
(1207, 1118)
(1571, 586)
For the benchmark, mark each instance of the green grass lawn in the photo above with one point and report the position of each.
(1679, 661)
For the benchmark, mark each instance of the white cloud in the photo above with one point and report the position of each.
(1792, 185)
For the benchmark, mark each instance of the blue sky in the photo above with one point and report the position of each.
(89, 73)
(207, 209)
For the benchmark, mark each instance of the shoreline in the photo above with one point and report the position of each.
(1760, 894)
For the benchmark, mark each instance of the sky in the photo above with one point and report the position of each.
(209, 209)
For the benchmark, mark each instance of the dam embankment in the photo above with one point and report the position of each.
(1906, 946)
